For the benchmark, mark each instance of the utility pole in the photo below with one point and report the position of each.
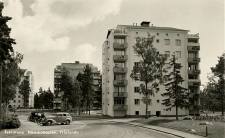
(1, 121)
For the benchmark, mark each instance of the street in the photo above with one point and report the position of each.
(82, 129)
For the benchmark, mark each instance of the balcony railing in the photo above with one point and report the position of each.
(193, 60)
(120, 107)
(96, 77)
(56, 107)
(120, 82)
(120, 94)
(119, 46)
(194, 71)
(193, 35)
(119, 70)
(194, 95)
(194, 82)
(193, 48)
(119, 57)
(57, 101)
(119, 31)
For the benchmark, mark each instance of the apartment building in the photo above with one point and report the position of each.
(74, 69)
(120, 94)
(18, 101)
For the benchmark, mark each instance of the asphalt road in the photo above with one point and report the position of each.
(81, 129)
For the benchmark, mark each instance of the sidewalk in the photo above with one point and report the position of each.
(156, 128)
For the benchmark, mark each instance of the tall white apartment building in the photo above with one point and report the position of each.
(120, 94)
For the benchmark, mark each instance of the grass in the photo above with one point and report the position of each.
(216, 130)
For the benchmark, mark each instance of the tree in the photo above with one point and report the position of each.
(176, 95)
(5, 49)
(88, 86)
(24, 90)
(75, 98)
(11, 78)
(219, 71)
(36, 101)
(48, 99)
(66, 86)
(149, 69)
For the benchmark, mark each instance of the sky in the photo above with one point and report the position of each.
(49, 32)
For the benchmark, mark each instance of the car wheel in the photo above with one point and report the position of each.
(67, 122)
(49, 123)
(62, 123)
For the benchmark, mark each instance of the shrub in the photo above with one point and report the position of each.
(12, 122)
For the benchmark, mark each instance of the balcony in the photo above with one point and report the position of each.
(194, 82)
(120, 82)
(55, 102)
(120, 107)
(56, 107)
(193, 36)
(194, 95)
(96, 89)
(120, 32)
(96, 77)
(194, 107)
(119, 46)
(119, 57)
(194, 47)
(95, 83)
(195, 72)
(193, 60)
(119, 70)
(120, 94)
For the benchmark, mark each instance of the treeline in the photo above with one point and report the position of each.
(43, 99)
(79, 91)
(212, 95)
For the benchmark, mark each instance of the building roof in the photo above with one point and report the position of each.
(152, 27)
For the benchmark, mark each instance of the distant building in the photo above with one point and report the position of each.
(18, 101)
(74, 69)
(120, 94)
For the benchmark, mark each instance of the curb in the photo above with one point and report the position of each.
(150, 128)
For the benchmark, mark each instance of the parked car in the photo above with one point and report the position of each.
(35, 115)
(61, 117)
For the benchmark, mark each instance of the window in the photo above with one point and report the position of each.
(119, 40)
(157, 89)
(119, 65)
(166, 34)
(192, 55)
(119, 89)
(14, 101)
(192, 67)
(59, 114)
(119, 77)
(158, 101)
(136, 64)
(157, 40)
(136, 89)
(167, 41)
(118, 101)
(178, 42)
(119, 52)
(167, 53)
(137, 101)
(18, 96)
(64, 114)
(177, 34)
(158, 34)
(178, 54)
(18, 101)
(136, 112)
(136, 33)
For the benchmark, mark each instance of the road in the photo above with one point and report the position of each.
(103, 128)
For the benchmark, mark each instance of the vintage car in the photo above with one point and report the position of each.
(35, 115)
(56, 118)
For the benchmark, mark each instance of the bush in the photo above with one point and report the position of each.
(12, 122)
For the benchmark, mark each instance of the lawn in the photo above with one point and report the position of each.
(216, 130)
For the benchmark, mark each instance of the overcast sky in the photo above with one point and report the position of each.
(49, 32)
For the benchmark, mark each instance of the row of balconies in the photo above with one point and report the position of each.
(120, 107)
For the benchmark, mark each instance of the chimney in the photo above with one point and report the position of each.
(145, 24)
(136, 24)
(133, 24)
(77, 62)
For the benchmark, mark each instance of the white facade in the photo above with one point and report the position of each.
(118, 50)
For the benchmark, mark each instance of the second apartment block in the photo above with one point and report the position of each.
(120, 94)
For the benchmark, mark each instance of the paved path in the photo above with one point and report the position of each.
(104, 128)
